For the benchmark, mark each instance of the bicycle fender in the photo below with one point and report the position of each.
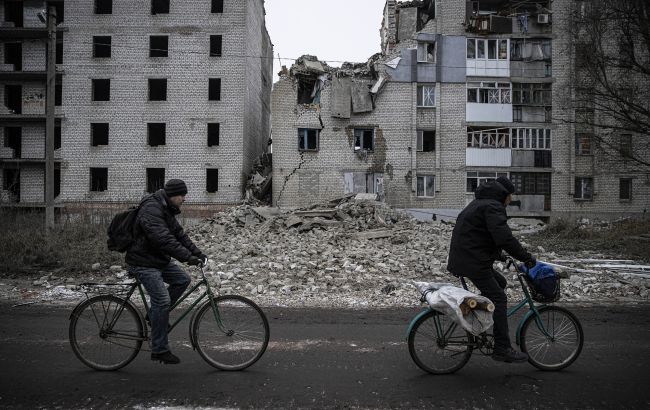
(523, 320)
(415, 319)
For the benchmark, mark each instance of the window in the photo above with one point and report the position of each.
(426, 141)
(159, 6)
(13, 140)
(98, 179)
(158, 46)
(308, 139)
(364, 139)
(101, 46)
(426, 52)
(212, 180)
(530, 49)
(215, 45)
(584, 188)
(103, 6)
(531, 183)
(625, 189)
(14, 55)
(426, 96)
(57, 137)
(157, 89)
(156, 132)
(98, 133)
(488, 137)
(583, 144)
(217, 6)
(14, 12)
(58, 91)
(471, 48)
(626, 146)
(486, 92)
(57, 182)
(517, 113)
(496, 49)
(213, 134)
(474, 179)
(101, 89)
(531, 93)
(531, 138)
(11, 182)
(155, 179)
(14, 98)
(548, 114)
(214, 89)
(425, 185)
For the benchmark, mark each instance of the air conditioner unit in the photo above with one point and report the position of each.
(542, 18)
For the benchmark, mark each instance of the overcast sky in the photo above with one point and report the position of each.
(332, 30)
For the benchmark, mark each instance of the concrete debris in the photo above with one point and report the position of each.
(258, 186)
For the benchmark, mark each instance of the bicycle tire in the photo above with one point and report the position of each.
(565, 344)
(439, 355)
(239, 342)
(97, 346)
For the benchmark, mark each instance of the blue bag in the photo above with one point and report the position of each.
(545, 283)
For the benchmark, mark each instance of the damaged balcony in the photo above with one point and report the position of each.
(508, 16)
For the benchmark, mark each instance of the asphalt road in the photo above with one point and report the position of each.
(324, 359)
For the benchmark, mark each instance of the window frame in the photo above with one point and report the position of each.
(359, 139)
(423, 51)
(420, 141)
(489, 92)
(303, 139)
(426, 93)
(582, 148)
(425, 192)
(480, 177)
(627, 181)
(583, 187)
(481, 49)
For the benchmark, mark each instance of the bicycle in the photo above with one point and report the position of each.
(107, 331)
(551, 335)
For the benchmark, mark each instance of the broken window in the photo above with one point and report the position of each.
(156, 133)
(103, 6)
(584, 188)
(426, 141)
(13, 140)
(11, 182)
(217, 6)
(159, 6)
(488, 137)
(308, 139)
(158, 46)
(212, 179)
(14, 55)
(531, 183)
(58, 91)
(488, 92)
(531, 138)
(215, 45)
(99, 133)
(14, 98)
(364, 139)
(625, 189)
(57, 137)
(155, 179)
(14, 13)
(306, 89)
(214, 89)
(474, 179)
(213, 134)
(583, 144)
(101, 46)
(364, 183)
(426, 52)
(57, 182)
(531, 93)
(626, 145)
(157, 89)
(101, 89)
(98, 179)
(426, 96)
(425, 185)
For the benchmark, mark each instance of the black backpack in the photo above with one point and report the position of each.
(120, 231)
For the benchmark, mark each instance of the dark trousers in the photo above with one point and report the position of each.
(492, 287)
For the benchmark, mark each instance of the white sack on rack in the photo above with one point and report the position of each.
(446, 298)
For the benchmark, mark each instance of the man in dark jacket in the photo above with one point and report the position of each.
(480, 234)
(158, 237)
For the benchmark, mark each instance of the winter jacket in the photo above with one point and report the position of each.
(158, 235)
(481, 232)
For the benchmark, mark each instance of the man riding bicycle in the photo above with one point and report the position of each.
(480, 235)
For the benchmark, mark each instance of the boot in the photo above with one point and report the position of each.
(509, 355)
(165, 357)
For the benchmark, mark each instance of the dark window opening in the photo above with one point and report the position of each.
(625, 189)
(213, 134)
(215, 46)
(14, 55)
(626, 146)
(14, 12)
(155, 179)
(60, 10)
(214, 92)
(11, 183)
(101, 46)
(542, 159)
(57, 182)
(212, 180)
(157, 89)
(217, 6)
(101, 89)
(308, 139)
(58, 91)
(103, 6)
(13, 140)
(156, 132)
(584, 188)
(364, 139)
(426, 141)
(306, 90)
(158, 46)
(14, 98)
(59, 49)
(583, 144)
(57, 137)
(159, 6)
(99, 133)
(98, 179)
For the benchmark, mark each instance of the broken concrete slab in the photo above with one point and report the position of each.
(341, 98)
(361, 99)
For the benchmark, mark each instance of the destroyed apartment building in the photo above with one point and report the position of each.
(461, 93)
(143, 95)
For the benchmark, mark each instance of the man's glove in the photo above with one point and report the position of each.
(502, 257)
(193, 260)
(530, 263)
(203, 257)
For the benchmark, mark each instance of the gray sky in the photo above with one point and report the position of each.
(332, 30)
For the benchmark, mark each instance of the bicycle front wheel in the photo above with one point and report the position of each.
(439, 345)
(232, 337)
(555, 341)
(106, 332)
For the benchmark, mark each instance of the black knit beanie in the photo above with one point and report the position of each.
(506, 184)
(175, 187)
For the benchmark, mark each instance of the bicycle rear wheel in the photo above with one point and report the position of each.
(563, 344)
(439, 345)
(235, 336)
(106, 332)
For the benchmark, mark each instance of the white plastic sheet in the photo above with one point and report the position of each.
(446, 298)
